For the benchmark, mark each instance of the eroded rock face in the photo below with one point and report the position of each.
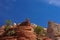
(24, 31)
(53, 30)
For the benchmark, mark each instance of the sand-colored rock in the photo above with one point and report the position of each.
(53, 30)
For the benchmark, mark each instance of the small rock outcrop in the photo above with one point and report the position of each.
(25, 23)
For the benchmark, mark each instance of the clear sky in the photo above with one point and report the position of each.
(39, 11)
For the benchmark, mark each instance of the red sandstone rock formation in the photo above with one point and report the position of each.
(24, 31)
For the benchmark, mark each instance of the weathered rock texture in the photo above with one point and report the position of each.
(24, 31)
(53, 30)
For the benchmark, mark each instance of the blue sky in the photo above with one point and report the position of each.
(39, 11)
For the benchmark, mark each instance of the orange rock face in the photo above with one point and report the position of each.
(24, 31)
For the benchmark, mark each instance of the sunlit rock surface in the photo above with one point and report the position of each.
(53, 30)
(24, 31)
